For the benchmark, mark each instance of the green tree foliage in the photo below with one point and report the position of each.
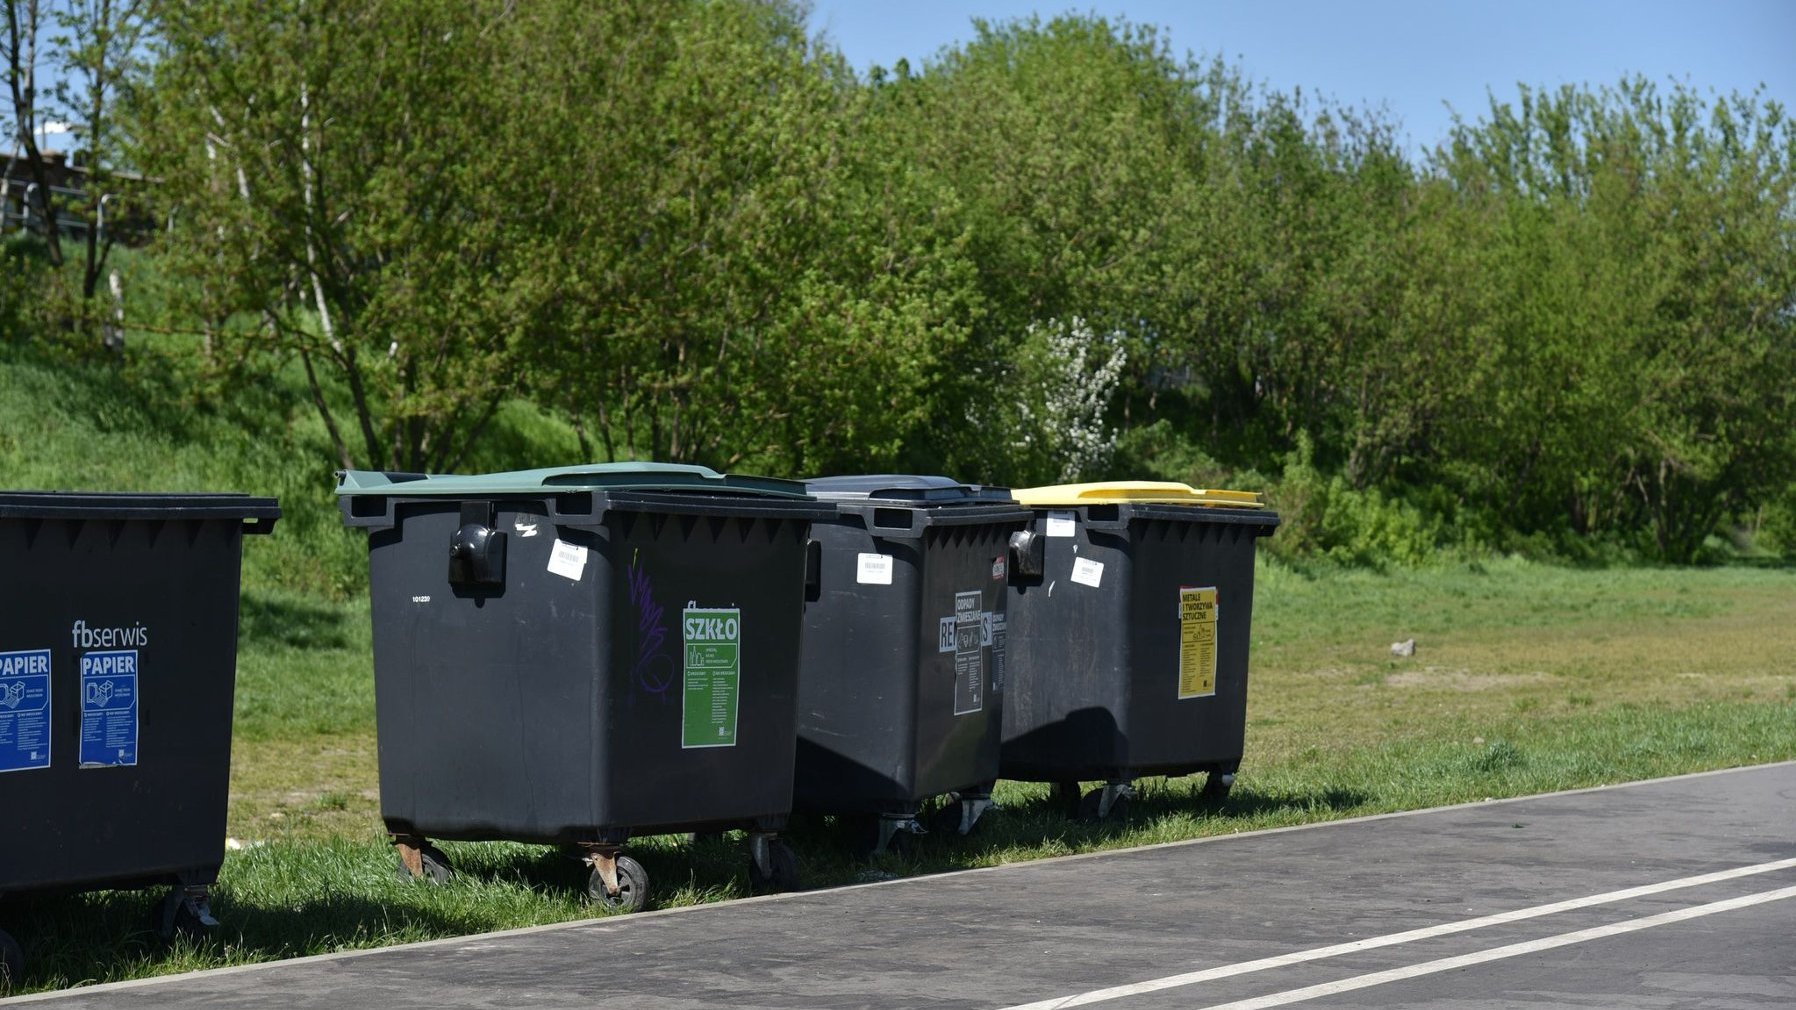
(1057, 251)
(72, 63)
(1641, 265)
(344, 182)
(745, 273)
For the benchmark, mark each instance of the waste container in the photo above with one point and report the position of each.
(1128, 655)
(118, 661)
(901, 688)
(570, 656)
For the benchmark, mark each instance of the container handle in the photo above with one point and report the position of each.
(476, 549)
(1105, 518)
(261, 525)
(878, 519)
(813, 571)
(1028, 556)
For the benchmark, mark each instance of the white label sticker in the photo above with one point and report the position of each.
(1088, 572)
(874, 570)
(969, 659)
(568, 560)
(1061, 524)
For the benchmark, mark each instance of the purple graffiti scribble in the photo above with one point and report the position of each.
(654, 669)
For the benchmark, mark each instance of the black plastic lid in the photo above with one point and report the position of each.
(910, 489)
(674, 478)
(134, 505)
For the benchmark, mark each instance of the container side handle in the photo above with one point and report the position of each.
(879, 520)
(1107, 518)
(813, 571)
(368, 511)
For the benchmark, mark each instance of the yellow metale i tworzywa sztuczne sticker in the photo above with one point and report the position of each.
(1197, 641)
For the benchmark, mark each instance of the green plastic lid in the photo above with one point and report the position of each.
(630, 476)
(1138, 491)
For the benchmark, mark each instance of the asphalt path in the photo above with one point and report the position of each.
(1674, 893)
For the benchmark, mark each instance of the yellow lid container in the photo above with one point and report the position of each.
(1159, 492)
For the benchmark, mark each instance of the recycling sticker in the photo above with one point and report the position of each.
(1197, 641)
(109, 709)
(24, 710)
(713, 676)
(970, 632)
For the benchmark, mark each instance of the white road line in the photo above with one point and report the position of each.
(1499, 953)
(1392, 939)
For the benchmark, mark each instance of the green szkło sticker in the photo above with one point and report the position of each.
(713, 678)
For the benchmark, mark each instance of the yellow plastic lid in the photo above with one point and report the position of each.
(1142, 491)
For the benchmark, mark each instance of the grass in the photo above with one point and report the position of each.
(1526, 678)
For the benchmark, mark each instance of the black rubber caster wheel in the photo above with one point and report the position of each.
(1216, 787)
(946, 821)
(782, 867)
(436, 866)
(12, 963)
(174, 918)
(1065, 795)
(901, 844)
(1088, 807)
(632, 887)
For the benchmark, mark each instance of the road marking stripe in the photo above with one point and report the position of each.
(1499, 953)
(1392, 939)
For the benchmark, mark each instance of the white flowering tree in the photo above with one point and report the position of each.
(1066, 373)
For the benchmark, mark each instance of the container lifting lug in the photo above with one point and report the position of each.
(476, 549)
(1028, 555)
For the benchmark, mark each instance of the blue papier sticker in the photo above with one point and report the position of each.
(109, 709)
(24, 710)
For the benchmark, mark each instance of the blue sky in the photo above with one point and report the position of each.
(1410, 58)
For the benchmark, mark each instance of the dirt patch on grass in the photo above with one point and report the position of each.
(1462, 680)
(312, 788)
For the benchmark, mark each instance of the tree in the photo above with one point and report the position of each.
(743, 276)
(19, 48)
(99, 54)
(94, 52)
(340, 173)
(1060, 149)
(1641, 277)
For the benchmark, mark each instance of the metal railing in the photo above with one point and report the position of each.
(19, 208)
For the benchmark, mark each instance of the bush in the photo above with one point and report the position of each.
(1777, 525)
(1323, 517)
(23, 273)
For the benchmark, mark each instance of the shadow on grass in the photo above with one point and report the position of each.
(77, 939)
(291, 622)
(833, 850)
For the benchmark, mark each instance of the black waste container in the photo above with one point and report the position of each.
(901, 688)
(118, 661)
(571, 656)
(1128, 656)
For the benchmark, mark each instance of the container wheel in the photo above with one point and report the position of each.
(436, 866)
(1065, 795)
(947, 818)
(782, 872)
(632, 887)
(185, 914)
(871, 827)
(1217, 786)
(12, 963)
(1089, 804)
